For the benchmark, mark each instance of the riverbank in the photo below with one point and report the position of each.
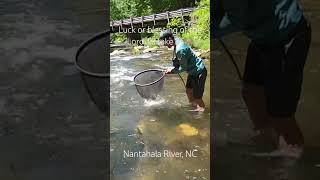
(204, 54)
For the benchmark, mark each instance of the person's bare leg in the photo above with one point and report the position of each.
(254, 98)
(200, 105)
(289, 130)
(290, 138)
(189, 92)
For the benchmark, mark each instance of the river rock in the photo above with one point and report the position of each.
(187, 130)
(154, 49)
(197, 53)
(139, 47)
(118, 52)
(205, 55)
(136, 50)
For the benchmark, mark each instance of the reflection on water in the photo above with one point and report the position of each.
(159, 125)
(231, 121)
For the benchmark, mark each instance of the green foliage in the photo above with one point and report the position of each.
(122, 9)
(156, 35)
(175, 23)
(193, 39)
(117, 38)
(199, 34)
(202, 17)
(201, 44)
(169, 5)
(136, 51)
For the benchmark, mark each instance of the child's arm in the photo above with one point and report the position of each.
(184, 57)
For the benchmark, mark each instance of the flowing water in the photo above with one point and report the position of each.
(155, 125)
(231, 121)
(49, 128)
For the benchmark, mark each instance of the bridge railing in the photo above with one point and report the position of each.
(152, 18)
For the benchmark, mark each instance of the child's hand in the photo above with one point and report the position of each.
(168, 71)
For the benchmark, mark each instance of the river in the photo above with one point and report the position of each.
(231, 121)
(155, 125)
(49, 127)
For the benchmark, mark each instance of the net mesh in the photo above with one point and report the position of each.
(91, 60)
(149, 83)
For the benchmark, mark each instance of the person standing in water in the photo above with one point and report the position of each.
(280, 39)
(187, 61)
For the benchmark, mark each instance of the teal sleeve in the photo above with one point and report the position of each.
(225, 27)
(184, 56)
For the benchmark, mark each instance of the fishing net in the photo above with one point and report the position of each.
(149, 83)
(91, 60)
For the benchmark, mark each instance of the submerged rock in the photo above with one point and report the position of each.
(187, 130)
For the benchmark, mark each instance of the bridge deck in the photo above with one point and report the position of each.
(152, 18)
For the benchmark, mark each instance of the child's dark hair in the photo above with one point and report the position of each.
(164, 35)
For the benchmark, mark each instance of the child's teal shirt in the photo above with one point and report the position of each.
(189, 62)
(263, 21)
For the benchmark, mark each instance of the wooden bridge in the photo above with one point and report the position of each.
(155, 20)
